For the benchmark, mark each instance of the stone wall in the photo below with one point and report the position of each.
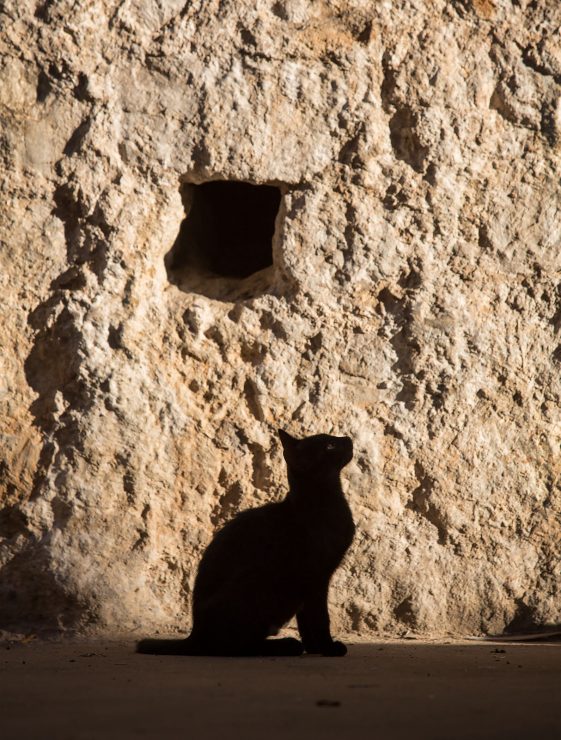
(413, 301)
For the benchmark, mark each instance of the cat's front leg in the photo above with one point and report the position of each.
(313, 625)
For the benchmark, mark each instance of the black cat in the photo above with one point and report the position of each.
(274, 562)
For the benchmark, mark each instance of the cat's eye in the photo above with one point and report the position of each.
(330, 446)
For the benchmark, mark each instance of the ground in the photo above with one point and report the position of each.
(390, 690)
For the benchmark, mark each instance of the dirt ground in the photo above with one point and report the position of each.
(389, 690)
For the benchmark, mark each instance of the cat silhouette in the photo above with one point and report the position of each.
(274, 562)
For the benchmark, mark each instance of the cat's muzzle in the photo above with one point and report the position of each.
(346, 450)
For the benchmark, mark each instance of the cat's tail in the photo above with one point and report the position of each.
(185, 646)
(281, 646)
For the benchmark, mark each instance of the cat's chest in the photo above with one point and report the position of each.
(326, 537)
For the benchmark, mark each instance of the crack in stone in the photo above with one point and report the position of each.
(421, 503)
(403, 340)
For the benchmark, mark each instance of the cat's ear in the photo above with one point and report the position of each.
(287, 441)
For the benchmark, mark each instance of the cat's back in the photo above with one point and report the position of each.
(254, 524)
(251, 539)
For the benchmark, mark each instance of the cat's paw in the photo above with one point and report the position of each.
(291, 646)
(335, 650)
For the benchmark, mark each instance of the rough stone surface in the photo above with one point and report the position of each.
(414, 301)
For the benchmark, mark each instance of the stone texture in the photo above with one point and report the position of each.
(414, 301)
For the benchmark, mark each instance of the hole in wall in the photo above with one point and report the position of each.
(225, 239)
(405, 139)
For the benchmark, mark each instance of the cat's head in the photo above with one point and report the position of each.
(321, 454)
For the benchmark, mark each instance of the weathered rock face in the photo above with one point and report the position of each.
(413, 300)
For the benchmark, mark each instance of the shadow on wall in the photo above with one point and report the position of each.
(526, 622)
(224, 248)
(32, 598)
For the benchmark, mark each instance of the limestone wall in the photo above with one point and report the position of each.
(414, 300)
